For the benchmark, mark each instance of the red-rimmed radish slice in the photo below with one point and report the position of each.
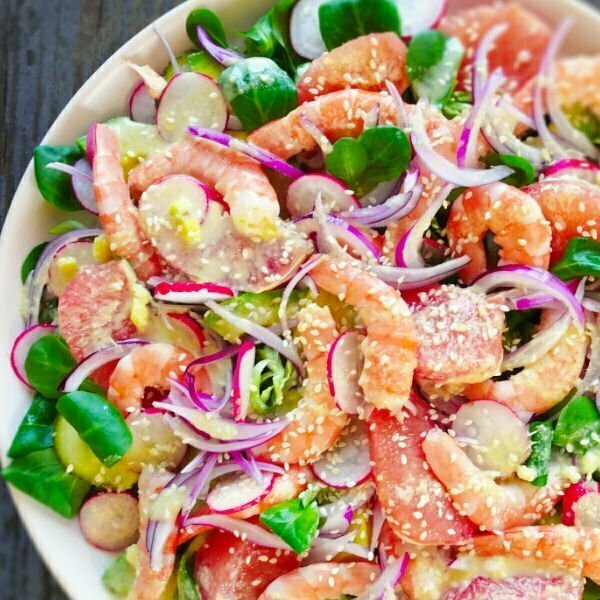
(238, 492)
(572, 496)
(348, 463)
(110, 521)
(67, 262)
(574, 167)
(142, 107)
(344, 367)
(83, 185)
(191, 293)
(190, 99)
(418, 16)
(587, 511)
(493, 436)
(23, 343)
(90, 143)
(191, 325)
(302, 193)
(242, 380)
(305, 33)
(177, 329)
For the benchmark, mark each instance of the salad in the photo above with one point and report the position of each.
(323, 319)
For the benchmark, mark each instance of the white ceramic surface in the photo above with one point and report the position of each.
(76, 565)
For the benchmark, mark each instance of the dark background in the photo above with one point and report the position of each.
(48, 49)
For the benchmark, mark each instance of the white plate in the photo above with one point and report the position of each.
(77, 566)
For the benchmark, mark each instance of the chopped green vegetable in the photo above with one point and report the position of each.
(54, 185)
(262, 308)
(581, 259)
(457, 104)
(43, 477)
(31, 260)
(197, 62)
(48, 362)
(49, 309)
(65, 227)
(270, 37)
(186, 585)
(258, 91)
(343, 20)
(524, 173)
(578, 426)
(99, 424)
(210, 22)
(119, 576)
(541, 449)
(36, 431)
(520, 328)
(432, 64)
(585, 120)
(591, 591)
(379, 154)
(272, 383)
(293, 522)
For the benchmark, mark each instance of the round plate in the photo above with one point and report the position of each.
(76, 565)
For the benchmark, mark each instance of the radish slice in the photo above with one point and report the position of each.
(587, 511)
(344, 367)
(242, 379)
(238, 492)
(191, 293)
(90, 143)
(302, 193)
(110, 521)
(305, 32)
(576, 168)
(494, 438)
(417, 16)
(21, 347)
(348, 463)
(83, 186)
(190, 99)
(192, 325)
(573, 494)
(67, 262)
(142, 107)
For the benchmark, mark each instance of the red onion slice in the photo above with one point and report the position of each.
(191, 293)
(22, 345)
(39, 278)
(242, 529)
(223, 56)
(344, 367)
(402, 119)
(442, 167)
(242, 380)
(317, 134)
(326, 549)
(387, 581)
(168, 49)
(96, 360)
(238, 493)
(480, 63)
(262, 156)
(532, 279)
(377, 524)
(338, 515)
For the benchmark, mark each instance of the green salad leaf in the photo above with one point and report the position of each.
(65, 227)
(36, 431)
(432, 64)
(583, 119)
(186, 585)
(540, 434)
(379, 154)
(31, 260)
(295, 523)
(258, 91)
(581, 259)
(54, 185)
(343, 20)
(99, 424)
(524, 172)
(119, 576)
(273, 383)
(578, 426)
(42, 476)
(48, 362)
(210, 22)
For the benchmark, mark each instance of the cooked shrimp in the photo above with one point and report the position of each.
(150, 582)
(575, 548)
(543, 383)
(323, 581)
(514, 217)
(390, 346)
(117, 212)
(490, 505)
(317, 422)
(571, 206)
(154, 82)
(337, 115)
(147, 367)
(245, 188)
(460, 338)
(364, 63)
